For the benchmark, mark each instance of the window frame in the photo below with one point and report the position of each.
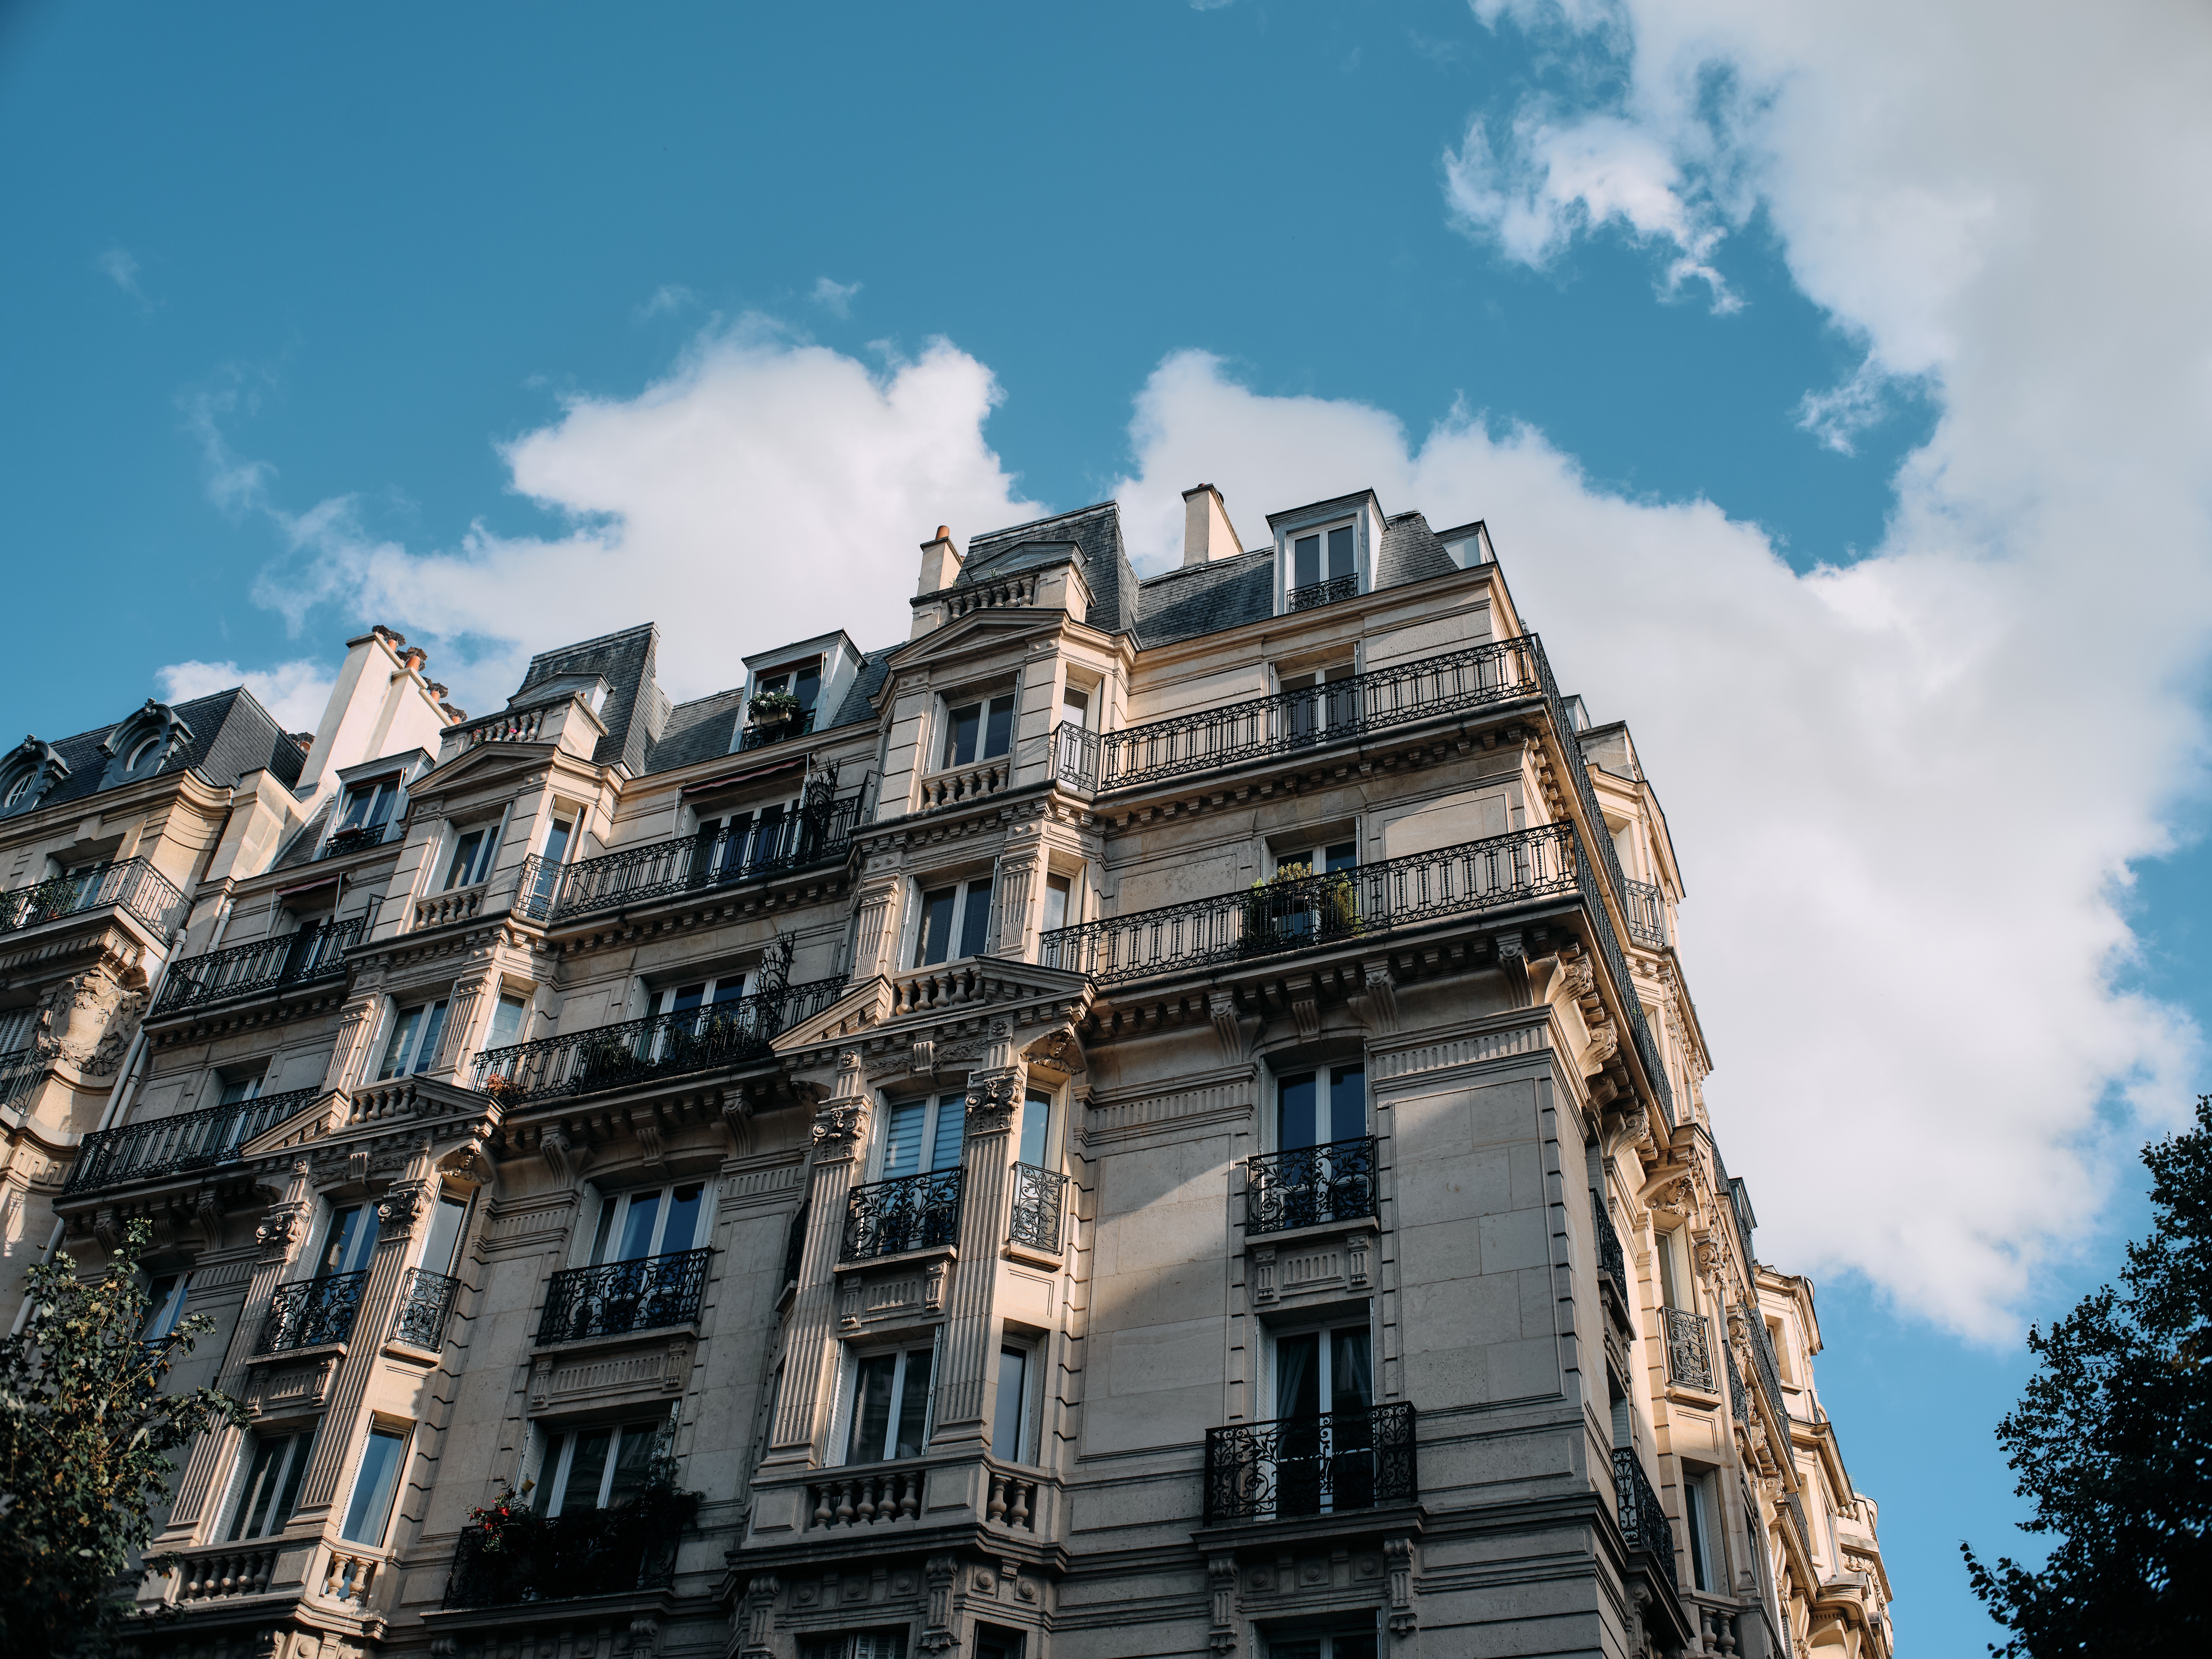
(379, 1428)
(1325, 1327)
(1273, 1127)
(987, 705)
(612, 1221)
(429, 1034)
(1319, 529)
(963, 890)
(168, 1309)
(467, 867)
(1029, 1351)
(933, 1124)
(557, 1454)
(382, 800)
(848, 1427)
(290, 1475)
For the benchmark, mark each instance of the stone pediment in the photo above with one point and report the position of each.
(947, 1015)
(978, 631)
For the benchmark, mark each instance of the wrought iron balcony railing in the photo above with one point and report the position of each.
(1328, 592)
(426, 1302)
(1612, 1259)
(1037, 1208)
(1074, 757)
(908, 1212)
(267, 964)
(310, 1312)
(701, 1039)
(20, 1072)
(618, 1298)
(1310, 1186)
(1764, 1360)
(820, 832)
(171, 1145)
(359, 838)
(1312, 911)
(1298, 1465)
(1643, 1522)
(535, 1557)
(1689, 1359)
(769, 732)
(1647, 914)
(134, 886)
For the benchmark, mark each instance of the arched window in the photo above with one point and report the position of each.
(18, 787)
(145, 751)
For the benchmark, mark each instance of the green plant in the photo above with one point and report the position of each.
(773, 707)
(85, 1434)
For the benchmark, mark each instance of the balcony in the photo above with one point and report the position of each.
(1311, 912)
(359, 839)
(426, 1302)
(312, 1313)
(766, 732)
(1310, 1186)
(1689, 1360)
(638, 1051)
(1331, 591)
(1768, 1367)
(819, 833)
(134, 886)
(1331, 1464)
(204, 1139)
(1647, 914)
(268, 965)
(534, 1558)
(1074, 757)
(1037, 1208)
(909, 1213)
(1612, 1259)
(618, 1298)
(20, 1072)
(1643, 1518)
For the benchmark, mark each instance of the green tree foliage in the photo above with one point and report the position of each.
(2113, 1441)
(85, 1434)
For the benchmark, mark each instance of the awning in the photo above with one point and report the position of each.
(731, 779)
(330, 880)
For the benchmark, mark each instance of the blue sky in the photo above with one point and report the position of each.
(496, 322)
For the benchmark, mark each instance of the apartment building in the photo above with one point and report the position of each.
(1151, 1117)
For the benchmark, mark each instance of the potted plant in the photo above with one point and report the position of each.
(772, 708)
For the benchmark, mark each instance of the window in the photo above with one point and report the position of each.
(979, 731)
(472, 855)
(373, 1484)
(20, 788)
(1323, 1370)
(1320, 860)
(167, 1297)
(1036, 1127)
(700, 993)
(507, 1021)
(994, 1642)
(890, 1405)
(886, 1643)
(1075, 706)
(414, 1043)
(660, 1221)
(1698, 1511)
(1666, 1246)
(1323, 1467)
(348, 1241)
(804, 683)
(146, 751)
(1317, 702)
(924, 1134)
(442, 1249)
(732, 848)
(555, 853)
(1327, 1644)
(1321, 555)
(369, 806)
(278, 1464)
(958, 915)
(1058, 891)
(598, 1468)
(1010, 1413)
(1314, 1108)
(237, 1090)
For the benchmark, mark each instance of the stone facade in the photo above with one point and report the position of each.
(1149, 1118)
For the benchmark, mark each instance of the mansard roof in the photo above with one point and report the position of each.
(635, 710)
(1096, 533)
(232, 734)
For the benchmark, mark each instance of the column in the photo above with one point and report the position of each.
(877, 938)
(841, 1132)
(971, 1354)
(357, 1026)
(469, 999)
(1018, 884)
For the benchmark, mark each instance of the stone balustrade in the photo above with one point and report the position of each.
(231, 1571)
(865, 1498)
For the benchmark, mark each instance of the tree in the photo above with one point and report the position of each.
(85, 1431)
(2113, 1441)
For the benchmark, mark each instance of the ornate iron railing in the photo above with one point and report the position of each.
(310, 1312)
(1272, 917)
(769, 732)
(1310, 1186)
(534, 1558)
(1739, 1403)
(264, 965)
(617, 1297)
(1796, 1505)
(1763, 1356)
(1312, 717)
(820, 832)
(426, 1301)
(636, 1051)
(1328, 592)
(189, 1140)
(1612, 1259)
(1643, 1523)
(1647, 914)
(1036, 1210)
(908, 1212)
(1324, 1465)
(360, 838)
(20, 1072)
(1074, 757)
(1689, 1359)
(134, 886)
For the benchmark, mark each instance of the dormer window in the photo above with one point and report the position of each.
(143, 753)
(1324, 567)
(979, 731)
(142, 744)
(802, 682)
(19, 789)
(369, 805)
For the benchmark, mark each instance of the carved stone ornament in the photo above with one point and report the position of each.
(1398, 1552)
(1604, 1041)
(1577, 978)
(89, 1020)
(280, 1229)
(936, 1632)
(1221, 1580)
(400, 1209)
(840, 1125)
(758, 1612)
(992, 1098)
(559, 1153)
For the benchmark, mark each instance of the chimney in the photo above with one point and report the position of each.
(1207, 532)
(940, 562)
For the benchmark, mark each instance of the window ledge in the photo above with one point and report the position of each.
(1032, 1257)
(948, 1253)
(1358, 1223)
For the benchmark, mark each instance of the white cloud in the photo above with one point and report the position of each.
(836, 298)
(294, 692)
(668, 299)
(120, 267)
(766, 489)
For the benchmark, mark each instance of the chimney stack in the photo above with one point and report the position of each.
(1207, 532)
(940, 562)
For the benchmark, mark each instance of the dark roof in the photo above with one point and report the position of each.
(232, 735)
(309, 836)
(1204, 598)
(696, 730)
(1096, 533)
(875, 667)
(635, 709)
(1410, 552)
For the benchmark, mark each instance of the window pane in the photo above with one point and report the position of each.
(1351, 1378)
(402, 1037)
(1036, 1119)
(588, 1470)
(445, 1240)
(681, 1232)
(729, 988)
(633, 1463)
(1347, 1102)
(166, 1297)
(557, 841)
(914, 1401)
(1297, 1375)
(903, 1140)
(807, 688)
(426, 1049)
(687, 997)
(960, 734)
(245, 1088)
(637, 1226)
(338, 1243)
(936, 926)
(1339, 552)
(975, 920)
(1306, 564)
(998, 732)
(945, 1142)
(464, 857)
(506, 1023)
(371, 1509)
(1075, 705)
(871, 1407)
(1007, 1413)
(1056, 891)
(1345, 855)
(1294, 1113)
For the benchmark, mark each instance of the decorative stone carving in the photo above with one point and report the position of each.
(757, 1634)
(1221, 1581)
(1227, 1031)
(87, 1020)
(838, 1126)
(1398, 1552)
(1382, 995)
(994, 1097)
(1305, 1008)
(398, 1210)
(936, 1631)
(652, 1144)
(921, 1057)
(207, 1215)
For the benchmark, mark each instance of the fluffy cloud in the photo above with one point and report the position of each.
(294, 692)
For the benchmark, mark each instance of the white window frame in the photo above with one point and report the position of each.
(300, 1448)
(1288, 584)
(414, 1062)
(1323, 1073)
(561, 1451)
(962, 887)
(848, 1397)
(385, 791)
(1708, 1557)
(1030, 1352)
(390, 1428)
(933, 1108)
(169, 1310)
(983, 703)
(611, 1219)
(477, 869)
(1325, 1327)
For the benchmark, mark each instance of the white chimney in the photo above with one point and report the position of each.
(1207, 532)
(940, 562)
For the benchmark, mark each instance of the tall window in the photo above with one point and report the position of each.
(265, 1502)
(1325, 1645)
(236, 1091)
(956, 922)
(598, 1468)
(802, 682)
(167, 1297)
(1318, 1371)
(348, 1241)
(558, 836)
(659, 1221)
(1666, 1247)
(369, 806)
(1059, 892)
(373, 1484)
(1323, 1467)
(472, 856)
(1076, 707)
(442, 1249)
(507, 1021)
(924, 1134)
(700, 993)
(1036, 1127)
(1314, 1108)
(979, 731)
(1009, 1411)
(413, 1041)
(889, 1643)
(890, 1405)
(1323, 555)
(1698, 1511)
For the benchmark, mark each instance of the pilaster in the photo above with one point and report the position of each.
(840, 1131)
(995, 1096)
